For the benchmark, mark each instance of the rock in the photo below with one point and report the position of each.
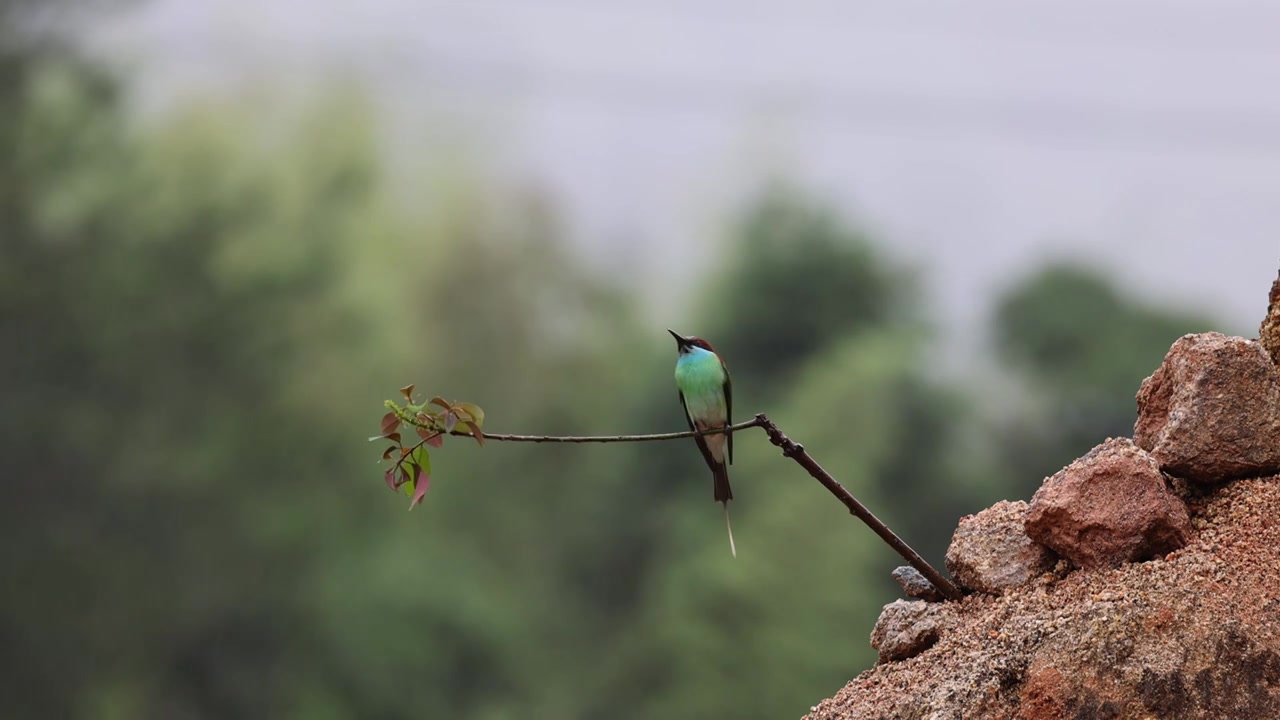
(1211, 412)
(1108, 508)
(916, 585)
(1191, 636)
(1269, 332)
(991, 552)
(907, 628)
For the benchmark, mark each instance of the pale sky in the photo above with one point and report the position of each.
(972, 138)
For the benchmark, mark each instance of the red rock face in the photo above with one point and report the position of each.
(1192, 636)
(1195, 633)
(1211, 412)
(990, 552)
(1108, 508)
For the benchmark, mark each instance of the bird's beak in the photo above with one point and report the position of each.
(679, 338)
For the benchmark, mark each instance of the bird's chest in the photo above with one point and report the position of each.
(701, 379)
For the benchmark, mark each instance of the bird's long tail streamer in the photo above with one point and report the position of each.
(733, 549)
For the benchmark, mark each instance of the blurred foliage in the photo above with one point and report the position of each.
(198, 313)
(797, 282)
(1082, 349)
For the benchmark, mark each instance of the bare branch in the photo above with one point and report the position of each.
(501, 437)
(796, 452)
(791, 450)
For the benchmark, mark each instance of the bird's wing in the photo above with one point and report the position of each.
(702, 441)
(728, 407)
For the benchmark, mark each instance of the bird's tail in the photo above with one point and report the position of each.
(732, 548)
(720, 472)
(724, 493)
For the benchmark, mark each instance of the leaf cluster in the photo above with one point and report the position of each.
(410, 467)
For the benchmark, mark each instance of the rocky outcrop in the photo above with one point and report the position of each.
(990, 552)
(1109, 507)
(1195, 634)
(1211, 413)
(1173, 610)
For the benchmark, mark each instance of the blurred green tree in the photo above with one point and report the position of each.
(158, 472)
(1082, 349)
(797, 281)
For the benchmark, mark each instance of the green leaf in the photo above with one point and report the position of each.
(421, 458)
(474, 411)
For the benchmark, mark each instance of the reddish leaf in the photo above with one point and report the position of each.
(386, 454)
(433, 438)
(392, 478)
(407, 392)
(389, 423)
(393, 437)
(475, 432)
(421, 481)
(437, 400)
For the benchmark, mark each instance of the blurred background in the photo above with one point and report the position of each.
(940, 244)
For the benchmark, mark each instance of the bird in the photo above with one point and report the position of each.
(706, 394)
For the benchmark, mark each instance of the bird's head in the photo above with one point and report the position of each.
(687, 344)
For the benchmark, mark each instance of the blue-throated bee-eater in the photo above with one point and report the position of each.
(707, 396)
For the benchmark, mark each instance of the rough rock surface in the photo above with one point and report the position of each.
(1211, 412)
(908, 628)
(916, 585)
(1269, 331)
(1193, 635)
(1110, 507)
(990, 551)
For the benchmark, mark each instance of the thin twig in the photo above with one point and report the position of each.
(790, 449)
(501, 437)
(796, 452)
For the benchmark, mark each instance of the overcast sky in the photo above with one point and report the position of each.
(972, 138)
